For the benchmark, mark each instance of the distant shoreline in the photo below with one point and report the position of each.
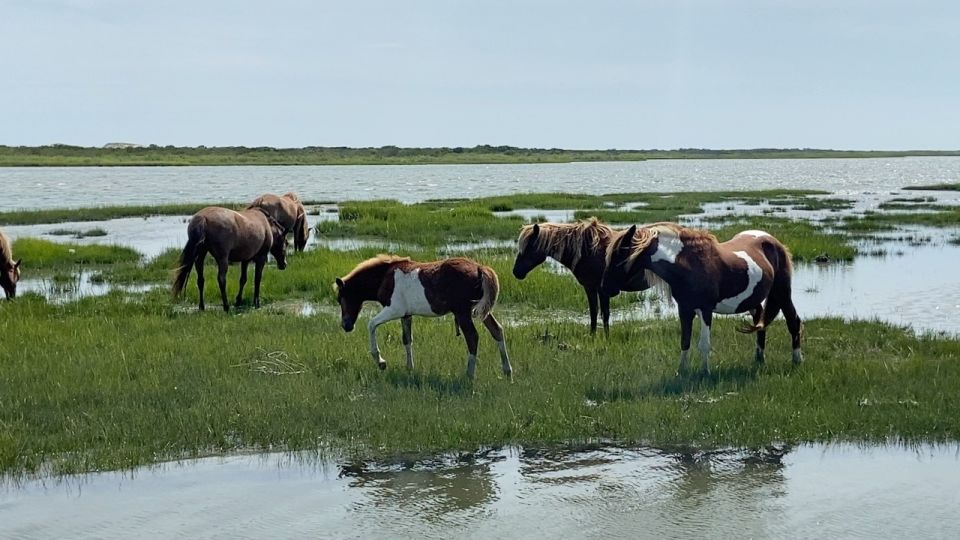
(170, 156)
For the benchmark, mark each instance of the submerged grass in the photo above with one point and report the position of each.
(118, 384)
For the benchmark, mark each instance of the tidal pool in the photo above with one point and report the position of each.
(809, 491)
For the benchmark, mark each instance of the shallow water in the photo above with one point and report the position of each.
(808, 491)
(79, 286)
(49, 187)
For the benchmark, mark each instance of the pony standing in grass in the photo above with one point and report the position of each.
(406, 288)
(288, 211)
(582, 248)
(9, 270)
(749, 273)
(230, 237)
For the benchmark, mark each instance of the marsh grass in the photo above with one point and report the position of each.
(936, 187)
(119, 384)
(102, 213)
(79, 234)
(39, 254)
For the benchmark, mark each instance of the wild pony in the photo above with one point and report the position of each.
(9, 269)
(288, 211)
(581, 247)
(230, 237)
(749, 273)
(406, 288)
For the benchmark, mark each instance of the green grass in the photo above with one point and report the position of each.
(153, 155)
(118, 384)
(39, 254)
(944, 217)
(936, 187)
(101, 213)
(78, 233)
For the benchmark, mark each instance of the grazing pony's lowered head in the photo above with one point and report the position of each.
(361, 284)
(279, 247)
(623, 253)
(301, 230)
(9, 269)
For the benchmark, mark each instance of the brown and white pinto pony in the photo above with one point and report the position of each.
(9, 269)
(288, 211)
(581, 247)
(406, 288)
(749, 273)
(230, 237)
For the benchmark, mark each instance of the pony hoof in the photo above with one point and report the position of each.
(797, 358)
(382, 365)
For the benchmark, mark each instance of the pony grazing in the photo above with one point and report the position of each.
(582, 248)
(230, 237)
(406, 288)
(749, 273)
(288, 211)
(9, 269)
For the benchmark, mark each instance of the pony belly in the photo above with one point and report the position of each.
(409, 296)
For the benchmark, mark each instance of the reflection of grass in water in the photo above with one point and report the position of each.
(116, 384)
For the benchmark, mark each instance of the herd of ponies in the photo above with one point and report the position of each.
(750, 273)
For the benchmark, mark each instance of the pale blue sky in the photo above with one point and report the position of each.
(589, 74)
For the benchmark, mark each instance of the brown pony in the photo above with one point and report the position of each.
(230, 236)
(9, 270)
(406, 288)
(581, 247)
(749, 273)
(288, 210)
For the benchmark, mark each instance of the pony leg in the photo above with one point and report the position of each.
(243, 282)
(472, 338)
(794, 325)
(686, 328)
(257, 278)
(592, 300)
(706, 318)
(761, 334)
(198, 264)
(386, 314)
(222, 267)
(605, 311)
(493, 326)
(408, 339)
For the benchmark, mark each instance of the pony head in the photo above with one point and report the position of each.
(9, 276)
(350, 304)
(529, 254)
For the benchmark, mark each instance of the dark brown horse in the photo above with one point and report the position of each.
(9, 269)
(406, 288)
(288, 211)
(749, 273)
(230, 237)
(581, 247)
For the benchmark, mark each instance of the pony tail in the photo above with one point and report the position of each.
(491, 289)
(188, 257)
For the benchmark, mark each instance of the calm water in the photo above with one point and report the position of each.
(807, 492)
(78, 186)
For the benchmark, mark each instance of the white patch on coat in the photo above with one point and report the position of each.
(754, 275)
(756, 234)
(409, 296)
(669, 246)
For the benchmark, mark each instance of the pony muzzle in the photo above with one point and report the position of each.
(347, 324)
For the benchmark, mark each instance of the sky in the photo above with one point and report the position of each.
(587, 74)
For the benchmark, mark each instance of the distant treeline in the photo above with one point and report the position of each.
(153, 155)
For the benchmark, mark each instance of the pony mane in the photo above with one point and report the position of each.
(292, 196)
(6, 251)
(373, 262)
(566, 239)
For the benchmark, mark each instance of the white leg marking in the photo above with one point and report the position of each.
(409, 348)
(504, 358)
(471, 365)
(754, 275)
(704, 345)
(683, 360)
(386, 314)
(797, 356)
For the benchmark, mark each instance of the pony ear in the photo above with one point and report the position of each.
(339, 283)
(536, 231)
(631, 232)
(17, 265)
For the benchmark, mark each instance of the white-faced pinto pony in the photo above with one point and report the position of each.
(749, 273)
(406, 288)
